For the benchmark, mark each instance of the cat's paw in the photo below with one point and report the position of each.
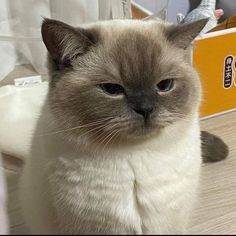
(213, 148)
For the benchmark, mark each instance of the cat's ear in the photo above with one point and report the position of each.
(182, 35)
(64, 42)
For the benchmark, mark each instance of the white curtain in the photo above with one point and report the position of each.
(20, 21)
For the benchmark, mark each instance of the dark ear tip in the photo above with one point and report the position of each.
(50, 26)
(47, 22)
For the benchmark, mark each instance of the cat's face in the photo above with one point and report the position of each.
(125, 79)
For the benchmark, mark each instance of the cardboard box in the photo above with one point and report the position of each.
(214, 57)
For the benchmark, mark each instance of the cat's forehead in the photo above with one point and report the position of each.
(137, 49)
(117, 29)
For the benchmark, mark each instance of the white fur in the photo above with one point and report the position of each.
(139, 189)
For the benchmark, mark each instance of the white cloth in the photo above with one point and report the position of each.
(19, 109)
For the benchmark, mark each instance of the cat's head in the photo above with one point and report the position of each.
(125, 78)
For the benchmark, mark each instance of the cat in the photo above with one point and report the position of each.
(117, 148)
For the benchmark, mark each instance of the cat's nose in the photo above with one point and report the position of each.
(144, 111)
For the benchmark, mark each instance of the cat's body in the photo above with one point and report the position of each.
(117, 148)
(137, 189)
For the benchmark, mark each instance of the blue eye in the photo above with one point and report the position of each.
(112, 89)
(165, 85)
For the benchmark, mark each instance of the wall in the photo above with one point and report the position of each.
(184, 6)
(173, 8)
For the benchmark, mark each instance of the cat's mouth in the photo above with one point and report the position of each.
(142, 129)
(119, 130)
(124, 133)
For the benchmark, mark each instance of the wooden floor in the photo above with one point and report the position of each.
(216, 211)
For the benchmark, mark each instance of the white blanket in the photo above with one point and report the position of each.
(19, 109)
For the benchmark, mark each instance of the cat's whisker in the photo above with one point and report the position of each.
(111, 136)
(100, 136)
(91, 130)
(116, 136)
(77, 127)
(100, 139)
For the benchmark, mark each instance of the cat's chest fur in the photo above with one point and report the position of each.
(147, 189)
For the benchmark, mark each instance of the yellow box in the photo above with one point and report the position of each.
(214, 57)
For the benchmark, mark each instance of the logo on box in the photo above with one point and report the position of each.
(229, 71)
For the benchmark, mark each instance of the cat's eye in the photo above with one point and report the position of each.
(165, 85)
(112, 89)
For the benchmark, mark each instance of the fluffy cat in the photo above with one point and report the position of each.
(117, 148)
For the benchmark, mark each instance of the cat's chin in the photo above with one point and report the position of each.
(139, 134)
(142, 133)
